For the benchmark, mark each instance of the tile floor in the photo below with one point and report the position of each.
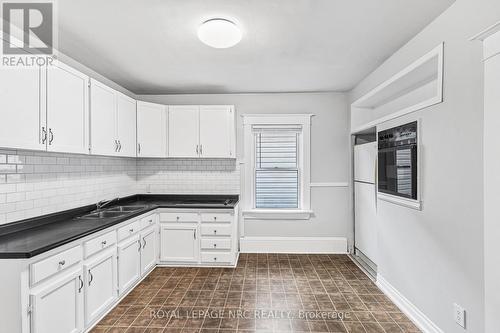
(264, 293)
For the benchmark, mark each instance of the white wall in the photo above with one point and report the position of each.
(329, 155)
(435, 257)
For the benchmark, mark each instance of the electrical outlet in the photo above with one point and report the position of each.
(459, 315)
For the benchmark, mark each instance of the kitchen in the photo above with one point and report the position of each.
(238, 165)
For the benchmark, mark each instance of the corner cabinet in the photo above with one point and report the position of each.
(56, 306)
(151, 130)
(202, 131)
(179, 243)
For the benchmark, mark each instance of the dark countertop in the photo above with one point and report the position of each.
(30, 237)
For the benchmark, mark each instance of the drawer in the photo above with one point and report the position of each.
(55, 264)
(148, 221)
(215, 230)
(216, 257)
(129, 230)
(216, 243)
(216, 217)
(179, 217)
(99, 243)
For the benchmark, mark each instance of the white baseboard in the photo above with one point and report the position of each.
(410, 310)
(293, 245)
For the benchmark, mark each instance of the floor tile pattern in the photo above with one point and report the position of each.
(264, 293)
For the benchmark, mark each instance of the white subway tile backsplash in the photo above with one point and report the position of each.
(35, 183)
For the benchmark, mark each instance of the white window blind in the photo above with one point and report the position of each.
(277, 166)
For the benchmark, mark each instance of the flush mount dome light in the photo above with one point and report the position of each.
(219, 33)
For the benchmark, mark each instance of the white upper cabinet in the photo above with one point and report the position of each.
(216, 131)
(67, 109)
(22, 125)
(151, 130)
(112, 121)
(183, 131)
(126, 125)
(102, 119)
(206, 131)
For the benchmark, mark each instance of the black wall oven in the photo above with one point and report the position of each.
(397, 161)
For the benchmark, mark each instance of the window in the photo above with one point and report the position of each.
(276, 167)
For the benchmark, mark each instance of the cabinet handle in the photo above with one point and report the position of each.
(201, 149)
(44, 135)
(197, 150)
(138, 148)
(215, 245)
(119, 145)
(51, 136)
(62, 262)
(103, 243)
(143, 243)
(139, 241)
(215, 218)
(116, 145)
(194, 234)
(215, 232)
(177, 218)
(131, 230)
(215, 258)
(81, 284)
(91, 277)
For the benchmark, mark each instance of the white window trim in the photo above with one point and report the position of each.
(304, 212)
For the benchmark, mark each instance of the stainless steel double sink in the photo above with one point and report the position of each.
(113, 212)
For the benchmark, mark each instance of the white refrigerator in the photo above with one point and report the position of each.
(365, 200)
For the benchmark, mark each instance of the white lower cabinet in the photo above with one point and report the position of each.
(100, 284)
(149, 251)
(179, 242)
(57, 305)
(129, 263)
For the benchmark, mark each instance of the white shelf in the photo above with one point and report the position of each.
(418, 86)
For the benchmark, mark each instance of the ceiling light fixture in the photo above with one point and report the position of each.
(219, 33)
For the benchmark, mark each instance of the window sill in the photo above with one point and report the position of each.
(409, 203)
(266, 214)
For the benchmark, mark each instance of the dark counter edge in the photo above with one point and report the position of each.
(36, 222)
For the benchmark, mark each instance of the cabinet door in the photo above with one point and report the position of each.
(102, 119)
(22, 125)
(179, 243)
(67, 109)
(126, 124)
(216, 131)
(151, 130)
(57, 305)
(183, 131)
(129, 263)
(149, 249)
(100, 285)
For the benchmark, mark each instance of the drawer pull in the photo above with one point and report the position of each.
(131, 230)
(215, 232)
(215, 258)
(177, 218)
(62, 262)
(215, 218)
(215, 245)
(103, 243)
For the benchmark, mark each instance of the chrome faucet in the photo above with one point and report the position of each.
(103, 203)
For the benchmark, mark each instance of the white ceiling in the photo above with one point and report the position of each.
(151, 47)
